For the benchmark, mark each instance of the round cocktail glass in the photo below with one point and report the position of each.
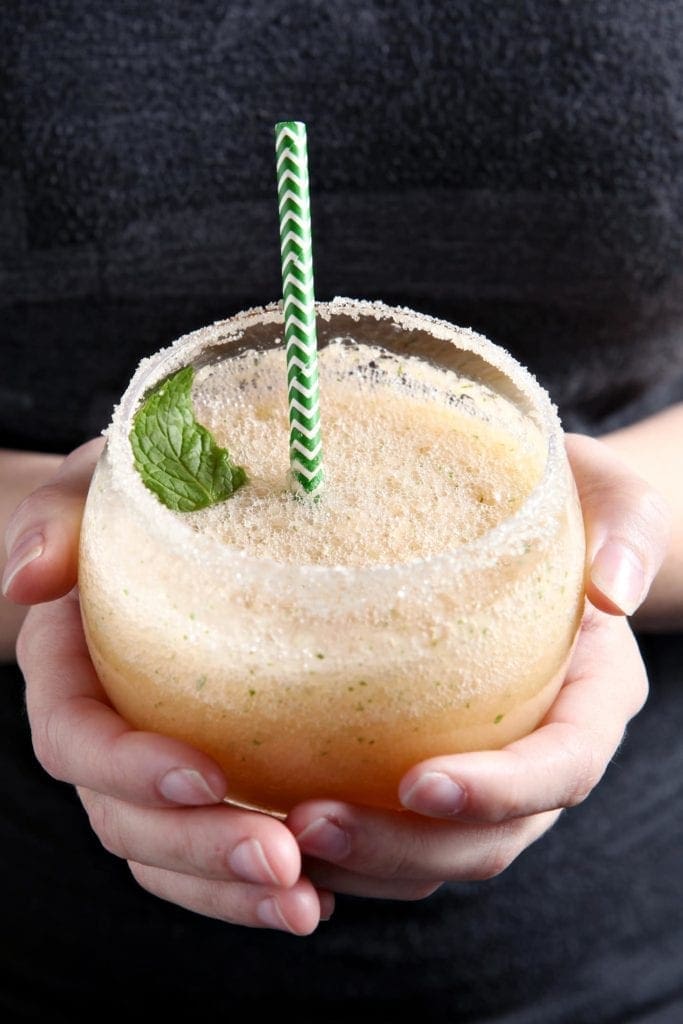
(306, 680)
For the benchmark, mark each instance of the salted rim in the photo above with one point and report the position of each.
(536, 517)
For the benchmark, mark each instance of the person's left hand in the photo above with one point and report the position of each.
(468, 816)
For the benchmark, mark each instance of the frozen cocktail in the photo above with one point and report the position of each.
(427, 603)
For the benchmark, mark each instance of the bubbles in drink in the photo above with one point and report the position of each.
(427, 604)
(417, 460)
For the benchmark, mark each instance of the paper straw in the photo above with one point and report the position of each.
(305, 445)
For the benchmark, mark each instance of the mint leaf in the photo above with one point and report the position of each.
(177, 457)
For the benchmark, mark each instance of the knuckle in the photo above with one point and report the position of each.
(649, 520)
(122, 778)
(397, 865)
(105, 822)
(31, 509)
(403, 859)
(498, 855)
(192, 848)
(585, 771)
(654, 510)
(506, 842)
(189, 849)
(45, 739)
(414, 891)
(15, 522)
(45, 497)
(513, 804)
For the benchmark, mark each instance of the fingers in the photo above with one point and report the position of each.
(297, 910)
(558, 764)
(232, 864)
(402, 856)
(42, 534)
(79, 738)
(235, 865)
(222, 843)
(473, 814)
(627, 526)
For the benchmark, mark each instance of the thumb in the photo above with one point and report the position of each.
(42, 533)
(627, 526)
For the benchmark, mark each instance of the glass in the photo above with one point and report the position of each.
(327, 680)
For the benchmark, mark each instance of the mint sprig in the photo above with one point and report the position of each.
(175, 455)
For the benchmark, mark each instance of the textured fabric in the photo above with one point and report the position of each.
(513, 166)
(585, 928)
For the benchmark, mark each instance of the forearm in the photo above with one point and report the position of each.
(653, 448)
(20, 473)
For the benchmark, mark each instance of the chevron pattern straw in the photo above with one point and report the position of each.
(305, 445)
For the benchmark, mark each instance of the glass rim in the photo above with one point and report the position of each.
(536, 517)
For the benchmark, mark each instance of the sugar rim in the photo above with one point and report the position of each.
(536, 517)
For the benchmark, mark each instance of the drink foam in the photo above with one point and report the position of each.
(418, 460)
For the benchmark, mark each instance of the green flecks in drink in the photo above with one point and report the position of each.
(497, 719)
(201, 682)
(176, 456)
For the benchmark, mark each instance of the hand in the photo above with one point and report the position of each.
(153, 801)
(470, 815)
(510, 797)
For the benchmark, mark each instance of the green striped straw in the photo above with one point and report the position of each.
(305, 444)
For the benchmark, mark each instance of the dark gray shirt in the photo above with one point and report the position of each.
(513, 166)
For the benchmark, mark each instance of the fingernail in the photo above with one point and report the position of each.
(325, 838)
(25, 550)
(187, 786)
(249, 862)
(269, 913)
(435, 793)
(619, 574)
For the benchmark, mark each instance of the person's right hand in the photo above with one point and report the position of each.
(156, 802)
